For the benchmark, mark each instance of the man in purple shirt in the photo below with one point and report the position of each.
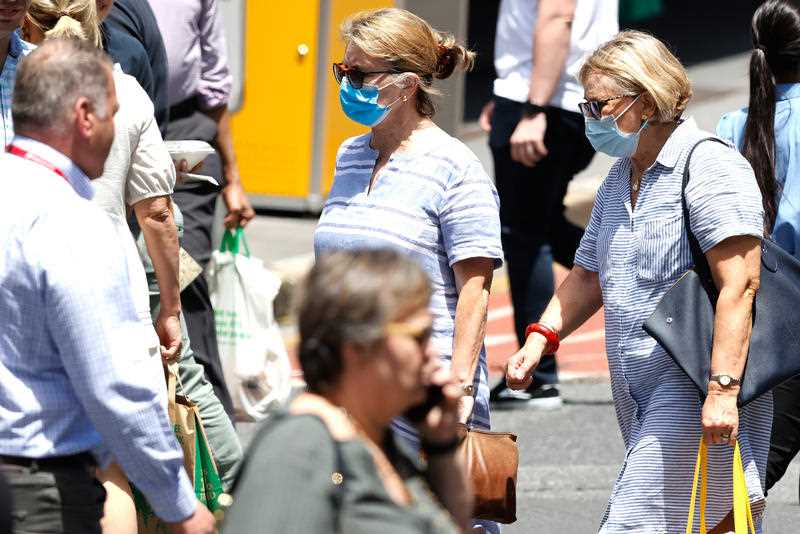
(199, 87)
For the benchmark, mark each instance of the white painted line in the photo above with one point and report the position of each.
(500, 339)
(588, 336)
(499, 313)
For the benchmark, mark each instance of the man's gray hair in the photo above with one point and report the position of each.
(53, 77)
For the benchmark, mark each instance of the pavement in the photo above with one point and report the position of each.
(569, 457)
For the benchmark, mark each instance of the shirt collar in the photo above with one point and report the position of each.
(785, 91)
(668, 157)
(15, 46)
(75, 176)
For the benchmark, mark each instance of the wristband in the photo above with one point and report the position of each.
(441, 449)
(549, 334)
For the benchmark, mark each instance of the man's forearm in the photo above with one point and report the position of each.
(551, 42)
(161, 237)
(230, 168)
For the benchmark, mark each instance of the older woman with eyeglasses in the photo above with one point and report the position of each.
(635, 248)
(410, 186)
(332, 464)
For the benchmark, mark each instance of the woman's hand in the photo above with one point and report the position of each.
(519, 370)
(441, 423)
(720, 415)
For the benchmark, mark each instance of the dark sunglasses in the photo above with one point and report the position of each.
(355, 77)
(593, 109)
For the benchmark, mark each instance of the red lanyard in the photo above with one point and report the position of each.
(17, 151)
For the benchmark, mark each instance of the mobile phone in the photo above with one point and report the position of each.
(434, 396)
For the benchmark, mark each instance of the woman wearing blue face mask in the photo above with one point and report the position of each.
(634, 249)
(410, 186)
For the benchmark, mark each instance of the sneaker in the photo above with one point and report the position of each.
(543, 397)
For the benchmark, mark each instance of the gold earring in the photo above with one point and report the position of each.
(405, 98)
(644, 117)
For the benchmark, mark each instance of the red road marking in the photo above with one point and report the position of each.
(581, 354)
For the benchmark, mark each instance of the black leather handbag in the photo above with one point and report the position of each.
(683, 322)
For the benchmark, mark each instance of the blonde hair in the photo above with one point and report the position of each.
(409, 44)
(66, 19)
(640, 63)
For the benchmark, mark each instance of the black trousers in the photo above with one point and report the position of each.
(55, 499)
(197, 203)
(785, 442)
(535, 231)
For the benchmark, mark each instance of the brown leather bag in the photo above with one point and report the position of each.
(492, 459)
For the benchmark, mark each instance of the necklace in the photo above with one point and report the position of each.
(635, 186)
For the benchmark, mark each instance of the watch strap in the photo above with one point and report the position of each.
(727, 379)
(530, 110)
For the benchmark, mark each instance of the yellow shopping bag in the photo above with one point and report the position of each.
(742, 515)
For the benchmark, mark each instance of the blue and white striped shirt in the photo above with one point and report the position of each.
(72, 377)
(17, 49)
(639, 252)
(436, 205)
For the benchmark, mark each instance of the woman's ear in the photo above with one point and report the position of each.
(649, 109)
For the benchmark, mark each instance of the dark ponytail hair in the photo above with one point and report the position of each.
(776, 53)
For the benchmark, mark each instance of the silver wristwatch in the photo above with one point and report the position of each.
(726, 381)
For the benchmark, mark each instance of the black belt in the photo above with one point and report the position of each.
(82, 460)
(183, 109)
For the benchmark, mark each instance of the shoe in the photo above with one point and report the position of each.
(543, 397)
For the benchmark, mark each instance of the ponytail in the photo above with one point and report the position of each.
(776, 54)
(66, 28)
(759, 133)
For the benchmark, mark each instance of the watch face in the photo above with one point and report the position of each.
(725, 380)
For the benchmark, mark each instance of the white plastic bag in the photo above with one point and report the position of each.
(254, 358)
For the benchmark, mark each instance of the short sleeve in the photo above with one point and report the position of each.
(151, 173)
(586, 255)
(470, 217)
(731, 127)
(722, 195)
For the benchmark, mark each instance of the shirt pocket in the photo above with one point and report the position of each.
(663, 249)
(605, 235)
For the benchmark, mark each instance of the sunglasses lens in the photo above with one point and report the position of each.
(356, 78)
(338, 73)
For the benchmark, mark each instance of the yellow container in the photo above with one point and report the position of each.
(290, 124)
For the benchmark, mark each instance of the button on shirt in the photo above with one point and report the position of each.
(17, 49)
(787, 160)
(195, 43)
(71, 378)
(594, 23)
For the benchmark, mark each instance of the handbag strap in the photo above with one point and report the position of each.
(701, 266)
(742, 513)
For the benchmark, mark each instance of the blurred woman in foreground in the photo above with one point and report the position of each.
(332, 464)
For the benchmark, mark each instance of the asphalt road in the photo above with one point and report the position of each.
(569, 460)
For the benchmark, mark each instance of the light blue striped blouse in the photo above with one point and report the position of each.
(639, 252)
(437, 205)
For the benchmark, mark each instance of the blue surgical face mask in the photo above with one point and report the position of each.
(361, 105)
(604, 135)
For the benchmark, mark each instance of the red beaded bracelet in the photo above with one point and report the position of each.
(550, 335)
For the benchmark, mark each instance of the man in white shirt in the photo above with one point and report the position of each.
(73, 392)
(538, 144)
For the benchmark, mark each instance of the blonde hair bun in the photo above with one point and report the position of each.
(450, 55)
